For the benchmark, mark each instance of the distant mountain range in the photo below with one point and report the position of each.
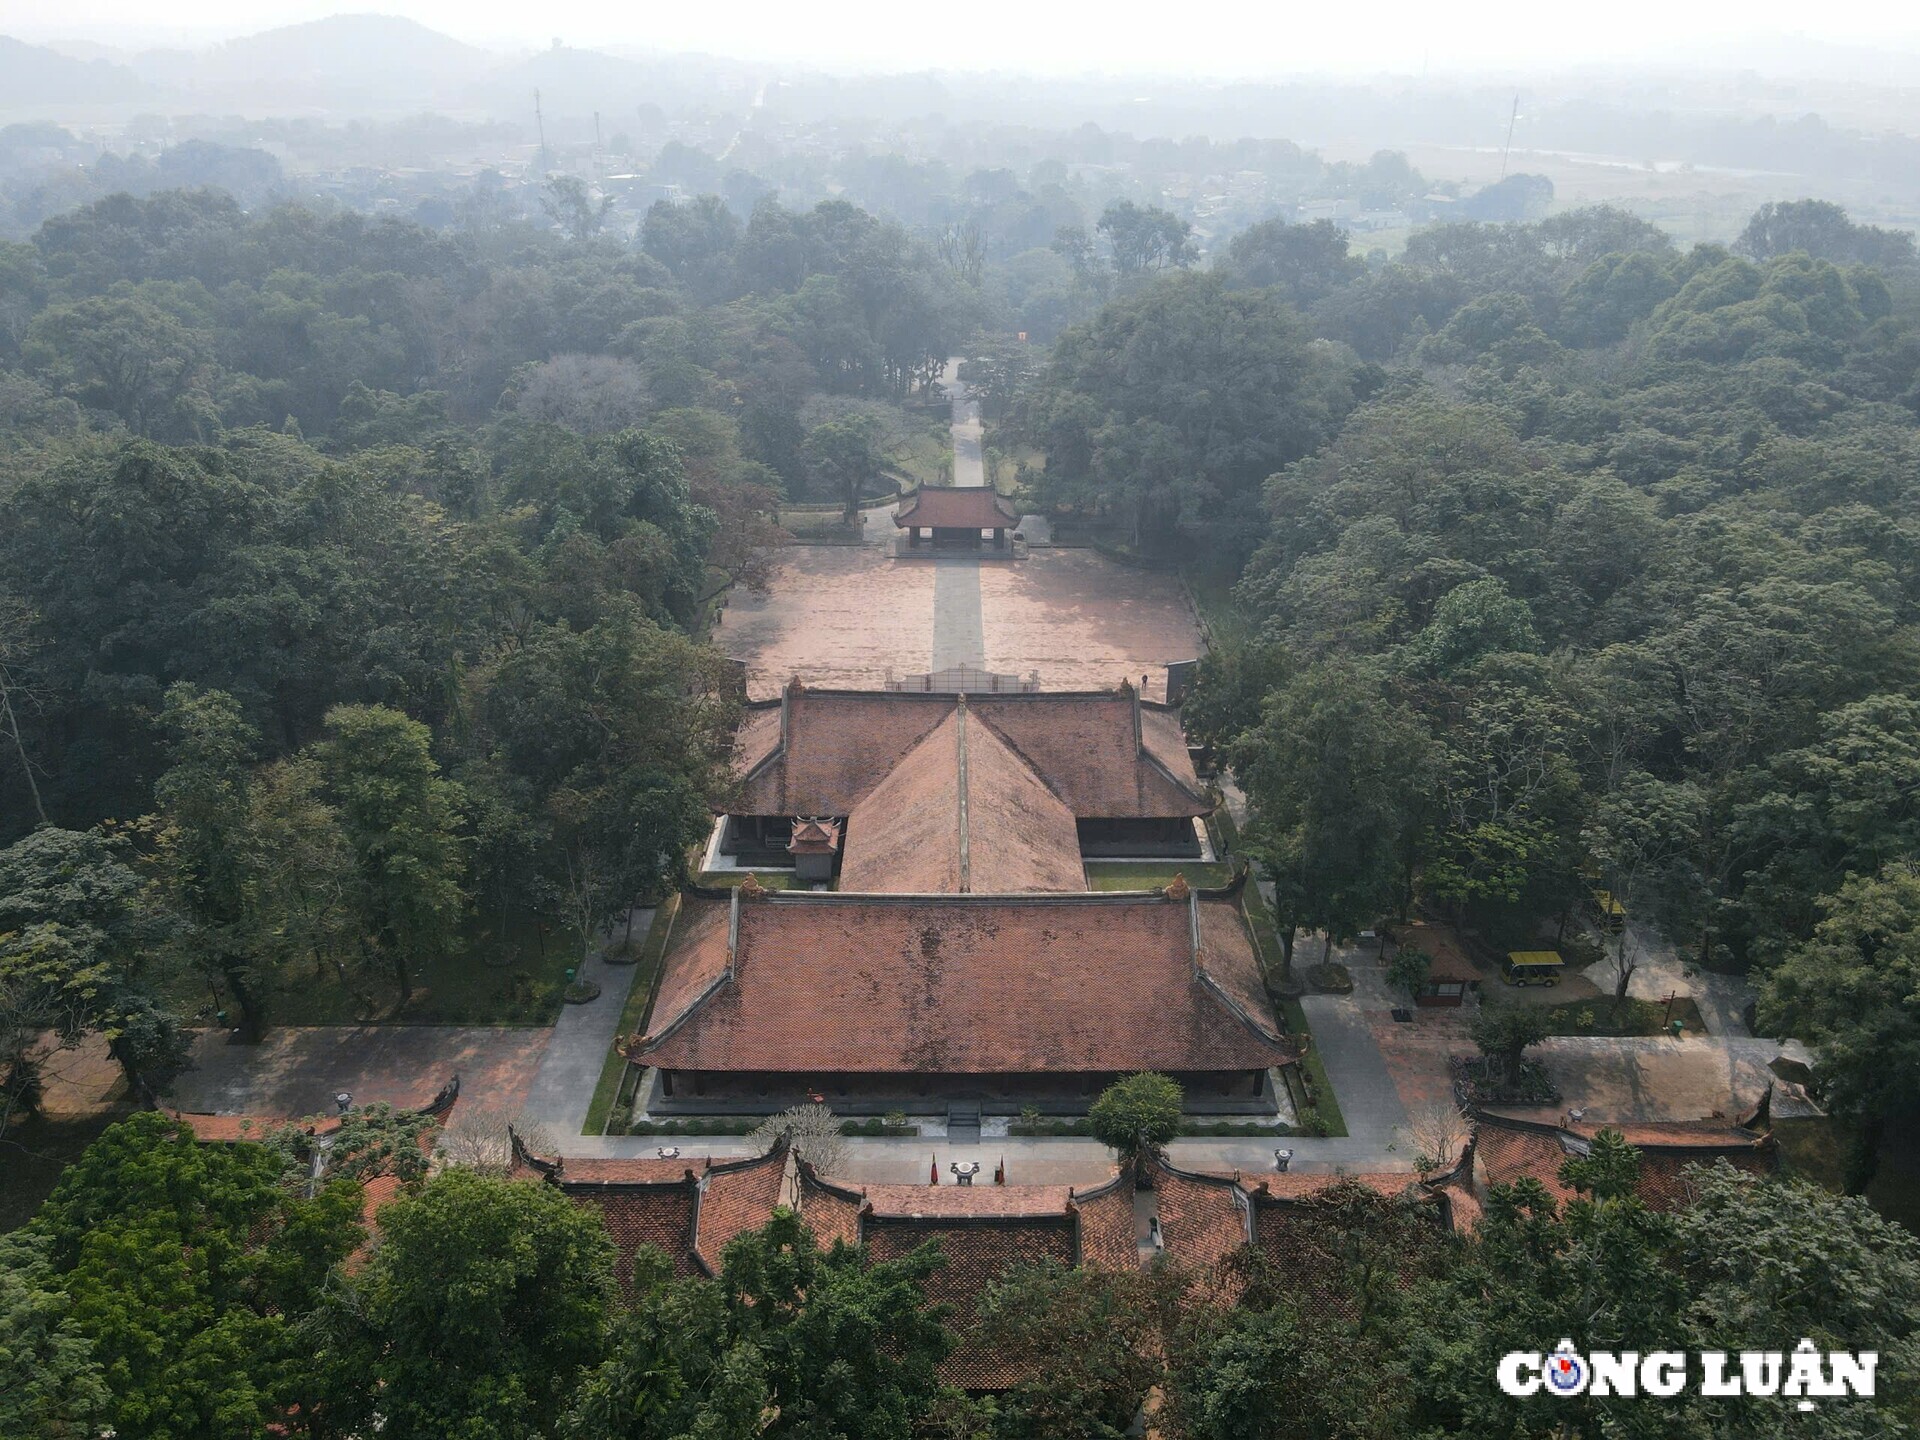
(384, 66)
(357, 64)
(34, 76)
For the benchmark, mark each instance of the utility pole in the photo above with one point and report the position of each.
(540, 124)
(1507, 149)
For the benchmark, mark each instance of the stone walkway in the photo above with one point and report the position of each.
(1362, 1083)
(959, 628)
(969, 465)
(562, 1087)
(959, 625)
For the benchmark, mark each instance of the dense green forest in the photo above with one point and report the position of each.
(352, 584)
(1560, 560)
(352, 578)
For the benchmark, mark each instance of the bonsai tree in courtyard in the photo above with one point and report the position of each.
(1138, 1115)
(1408, 970)
(1502, 1033)
(812, 1130)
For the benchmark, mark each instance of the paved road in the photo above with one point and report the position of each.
(562, 1087)
(959, 627)
(1361, 1081)
(969, 467)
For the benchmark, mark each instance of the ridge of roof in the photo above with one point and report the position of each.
(960, 786)
(1704, 1135)
(838, 692)
(828, 763)
(974, 897)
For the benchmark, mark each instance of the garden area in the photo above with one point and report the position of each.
(511, 976)
(1607, 1016)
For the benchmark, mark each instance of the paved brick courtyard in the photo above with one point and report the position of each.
(849, 616)
(297, 1069)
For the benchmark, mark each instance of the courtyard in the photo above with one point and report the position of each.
(849, 616)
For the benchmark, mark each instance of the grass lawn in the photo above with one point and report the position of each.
(1600, 1016)
(1112, 875)
(646, 972)
(513, 978)
(769, 879)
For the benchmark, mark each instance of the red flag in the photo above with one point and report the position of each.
(933, 1171)
(1000, 1172)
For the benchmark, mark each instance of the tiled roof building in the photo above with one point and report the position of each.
(984, 1231)
(689, 1210)
(962, 813)
(768, 998)
(1116, 764)
(955, 516)
(966, 507)
(1509, 1147)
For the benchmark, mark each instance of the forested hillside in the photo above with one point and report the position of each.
(1564, 560)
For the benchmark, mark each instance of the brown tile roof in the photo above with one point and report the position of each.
(231, 1129)
(1298, 1185)
(983, 1231)
(757, 738)
(814, 837)
(1109, 1239)
(967, 1202)
(658, 1212)
(820, 752)
(1509, 1147)
(1204, 1219)
(978, 1251)
(830, 1209)
(736, 1196)
(976, 507)
(584, 1171)
(962, 813)
(962, 984)
(1300, 1223)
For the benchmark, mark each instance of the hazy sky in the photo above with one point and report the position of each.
(1226, 38)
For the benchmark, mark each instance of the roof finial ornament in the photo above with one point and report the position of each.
(1177, 888)
(752, 889)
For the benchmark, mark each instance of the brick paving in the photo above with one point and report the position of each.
(848, 616)
(1084, 622)
(297, 1069)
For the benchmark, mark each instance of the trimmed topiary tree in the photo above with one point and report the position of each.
(1138, 1115)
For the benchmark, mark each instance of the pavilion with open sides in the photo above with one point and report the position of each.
(955, 519)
